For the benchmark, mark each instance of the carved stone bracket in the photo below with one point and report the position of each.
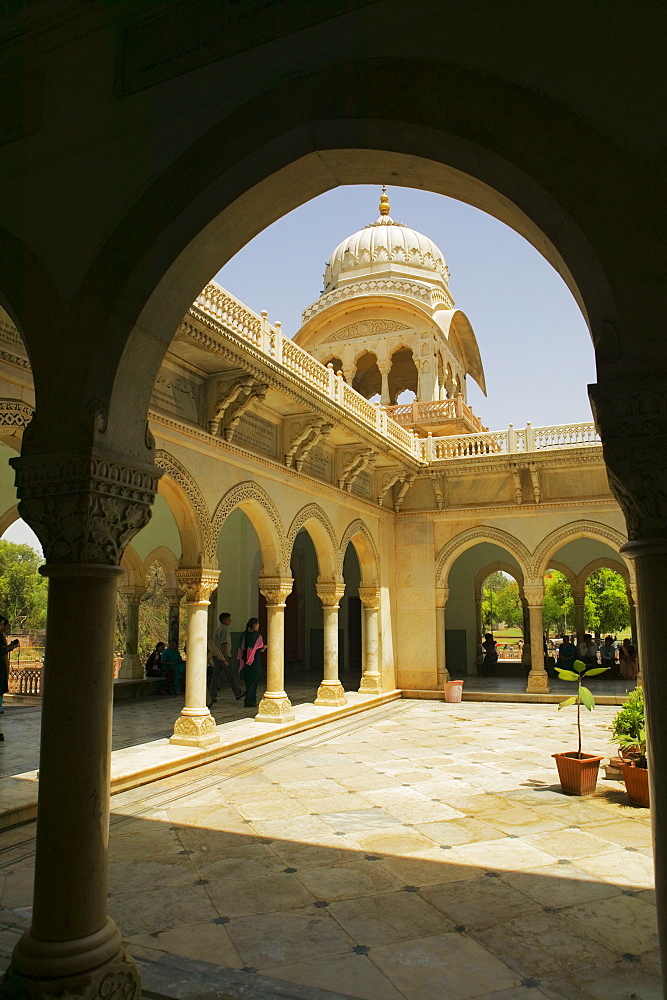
(84, 507)
(535, 480)
(437, 482)
(518, 489)
(15, 413)
(406, 483)
(441, 597)
(303, 443)
(357, 464)
(276, 589)
(232, 401)
(197, 584)
(370, 597)
(631, 418)
(330, 594)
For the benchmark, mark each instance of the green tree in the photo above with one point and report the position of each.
(23, 591)
(558, 606)
(501, 602)
(607, 607)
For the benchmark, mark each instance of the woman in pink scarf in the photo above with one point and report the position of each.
(250, 663)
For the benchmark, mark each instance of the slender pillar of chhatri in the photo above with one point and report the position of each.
(538, 679)
(195, 727)
(275, 706)
(330, 691)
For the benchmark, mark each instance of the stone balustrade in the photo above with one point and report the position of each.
(513, 441)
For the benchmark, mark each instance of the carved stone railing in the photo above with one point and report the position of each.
(25, 677)
(232, 314)
(435, 411)
(513, 441)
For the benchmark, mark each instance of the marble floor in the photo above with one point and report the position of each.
(419, 851)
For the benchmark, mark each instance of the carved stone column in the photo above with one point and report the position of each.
(371, 680)
(132, 666)
(578, 597)
(84, 507)
(538, 679)
(275, 706)
(525, 650)
(441, 597)
(195, 727)
(330, 691)
(174, 614)
(631, 416)
(384, 368)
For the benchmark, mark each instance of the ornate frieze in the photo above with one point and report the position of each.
(631, 417)
(365, 328)
(84, 508)
(15, 413)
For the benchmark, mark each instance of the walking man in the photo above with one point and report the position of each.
(220, 649)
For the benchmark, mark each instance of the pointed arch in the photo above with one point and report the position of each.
(134, 568)
(167, 560)
(543, 554)
(8, 518)
(262, 513)
(190, 511)
(607, 562)
(313, 519)
(472, 536)
(364, 545)
(494, 567)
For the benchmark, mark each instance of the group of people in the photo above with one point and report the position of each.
(166, 662)
(625, 665)
(604, 654)
(5, 649)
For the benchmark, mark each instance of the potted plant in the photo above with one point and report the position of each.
(628, 729)
(578, 772)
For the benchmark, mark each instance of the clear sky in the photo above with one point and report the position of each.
(534, 342)
(535, 345)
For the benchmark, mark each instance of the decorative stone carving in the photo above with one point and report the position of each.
(312, 511)
(84, 508)
(366, 328)
(631, 417)
(357, 527)
(117, 979)
(250, 491)
(370, 597)
(330, 594)
(533, 593)
(535, 480)
(232, 400)
(195, 727)
(275, 709)
(15, 413)
(406, 482)
(441, 597)
(359, 462)
(518, 490)
(197, 584)
(331, 693)
(180, 475)
(437, 482)
(276, 589)
(314, 432)
(370, 683)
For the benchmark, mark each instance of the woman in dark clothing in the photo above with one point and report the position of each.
(250, 662)
(490, 654)
(5, 649)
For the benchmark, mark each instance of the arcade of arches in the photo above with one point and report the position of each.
(130, 175)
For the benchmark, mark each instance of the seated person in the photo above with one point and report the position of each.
(174, 668)
(153, 666)
(588, 651)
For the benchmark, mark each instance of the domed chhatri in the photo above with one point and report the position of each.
(386, 319)
(385, 247)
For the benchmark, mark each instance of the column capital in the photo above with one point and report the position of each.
(84, 506)
(133, 595)
(276, 589)
(197, 583)
(631, 417)
(441, 597)
(578, 596)
(330, 594)
(384, 366)
(370, 598)
(534, 594)
(174, 595)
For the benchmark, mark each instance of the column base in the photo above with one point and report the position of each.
(195, 731)
(443, 677)
(275, 706)
(331, 693)
(131, 667)
(117, 977)
(538, 682)
(370, 684)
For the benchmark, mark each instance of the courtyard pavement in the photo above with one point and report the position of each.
(417, 851)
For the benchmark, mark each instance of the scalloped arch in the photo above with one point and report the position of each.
(262, 513)
(134, 569)
(539, 562)
(472, 536)
(190, 511)
(369, 560)
(319, 527)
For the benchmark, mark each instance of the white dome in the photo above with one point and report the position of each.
(383, 247)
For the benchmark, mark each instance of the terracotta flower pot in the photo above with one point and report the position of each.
(578, 775)
(636, 784)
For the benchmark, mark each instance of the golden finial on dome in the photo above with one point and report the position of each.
(384, 201)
